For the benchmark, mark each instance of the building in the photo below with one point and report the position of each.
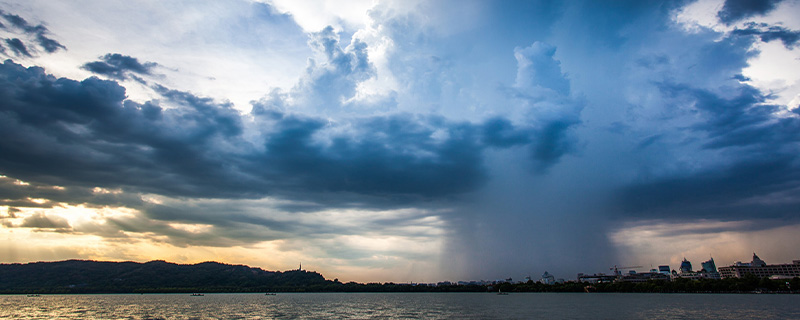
(760, 269)
(644, 277)
(709, 266)
(688, 275)
(685, 271)
(710, 269)
(548, 278)
(757, 262)
(686, 266)
(597, 278)
(664, 270)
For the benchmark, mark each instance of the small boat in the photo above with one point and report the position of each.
(34, 295)
(270, 294)
(197, 294)
(500, 293)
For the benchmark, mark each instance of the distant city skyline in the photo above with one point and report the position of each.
(400, 141)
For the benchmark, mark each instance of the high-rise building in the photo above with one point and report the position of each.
(686, 266)
(548, 278)
(710, 269)
(709, 266)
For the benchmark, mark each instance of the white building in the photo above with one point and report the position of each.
(761, 269)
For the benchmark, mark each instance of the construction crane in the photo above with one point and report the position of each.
(616, 269)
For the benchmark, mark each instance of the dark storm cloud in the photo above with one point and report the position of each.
(768, 33)
(13, 193)
(17, 21)
(646, 142)
(41, 221)
(119, 66)
(223, 234)
(735, 10)
(767, 188)
(48, 44)
(394, 155)
(235, 217)
(741, 77)
(18, 47)
(499, 132)
(743, 120)
(762, 177)
(38, 32)
(222, 223)
(85, 134)
(234, 227)
(554, 140)
(246, 221)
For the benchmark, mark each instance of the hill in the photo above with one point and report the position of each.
(85, 276)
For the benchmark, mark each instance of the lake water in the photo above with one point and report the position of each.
(403, 306)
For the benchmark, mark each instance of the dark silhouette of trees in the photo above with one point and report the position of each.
(82, 276)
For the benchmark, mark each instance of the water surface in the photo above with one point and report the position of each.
(403, 306)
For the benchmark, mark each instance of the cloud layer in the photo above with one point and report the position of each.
(415, 139)
(38, 34)
(65, 132)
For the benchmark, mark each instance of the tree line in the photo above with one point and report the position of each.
(83, 276)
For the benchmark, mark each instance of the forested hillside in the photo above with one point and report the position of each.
(81, 276)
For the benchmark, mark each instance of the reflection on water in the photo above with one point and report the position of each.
(402, 306)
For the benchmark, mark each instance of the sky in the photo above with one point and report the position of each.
(403, 141)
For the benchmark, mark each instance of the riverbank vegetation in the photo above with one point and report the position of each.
(80, 276)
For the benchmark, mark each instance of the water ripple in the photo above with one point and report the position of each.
(401, 306)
